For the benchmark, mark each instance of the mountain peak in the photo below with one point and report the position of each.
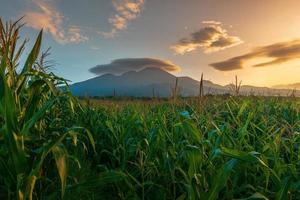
(146, 71)
(152, 69)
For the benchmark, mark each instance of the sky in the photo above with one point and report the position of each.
(257, 40)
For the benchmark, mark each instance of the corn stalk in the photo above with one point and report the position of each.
(236, 86)
(25, 99)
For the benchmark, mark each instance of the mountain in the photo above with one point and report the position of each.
(156, 82)
(288, 86)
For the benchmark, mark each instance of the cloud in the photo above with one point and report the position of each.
(125, 11)
(51, 20)
(95, 48)
(211, 38)
(121, 66)
(211, 22)
(277, 53)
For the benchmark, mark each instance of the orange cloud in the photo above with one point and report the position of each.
(277, 53)
(118, 22)
(126, 11)
(51, 20)
(213, 37)
(211, 22)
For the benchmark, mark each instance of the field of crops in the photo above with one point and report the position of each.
(53, 146)
(228, 148)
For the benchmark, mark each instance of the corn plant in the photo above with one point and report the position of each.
(236, 87)
(201, 92)
(26, 98)
(175, 90)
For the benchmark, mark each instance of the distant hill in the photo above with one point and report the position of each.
(156, 82)
(288, 86)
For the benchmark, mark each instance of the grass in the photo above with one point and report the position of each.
(55, 147)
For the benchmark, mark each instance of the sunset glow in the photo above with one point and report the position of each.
(219, 38)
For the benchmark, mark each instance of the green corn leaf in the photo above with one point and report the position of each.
(29, 62)
(282, 194)
(89, 135)
(244, 156)
(221, 179)
(33, 54)
(249, 157)
(60, 156)
(37, 116)
(102, 180)
(256, 195)
(2, 37)
(8, 111)
(34, 96)
(37, 165)
(30, 187)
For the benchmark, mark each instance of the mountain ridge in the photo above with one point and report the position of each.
(154, 81)
(291, 86)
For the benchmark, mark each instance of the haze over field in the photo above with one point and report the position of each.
(184, 38)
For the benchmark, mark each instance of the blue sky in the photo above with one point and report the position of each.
(84, 34)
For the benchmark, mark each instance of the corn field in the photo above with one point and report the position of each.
(53, 146)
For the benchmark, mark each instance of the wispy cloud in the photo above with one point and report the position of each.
(277, 53)
(211, 38)
(95, 48)
(47, 16)
(124, 65)
(210, 22)
(125, 11)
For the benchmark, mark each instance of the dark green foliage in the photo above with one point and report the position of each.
(233, 148)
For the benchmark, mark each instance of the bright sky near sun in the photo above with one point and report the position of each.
(258, 40)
